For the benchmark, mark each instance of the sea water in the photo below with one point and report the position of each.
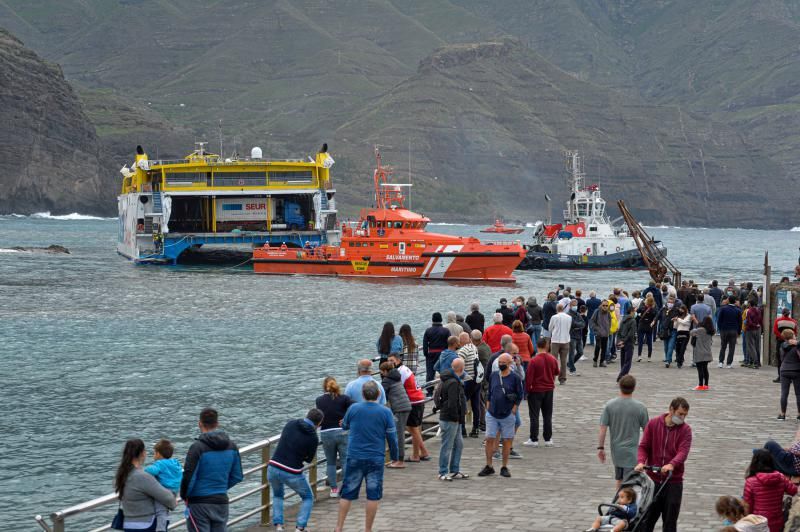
(96, 350)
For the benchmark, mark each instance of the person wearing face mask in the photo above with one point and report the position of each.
(683, 325)
(667, 331)
(665, 443)
(502, 402)
(600, 325)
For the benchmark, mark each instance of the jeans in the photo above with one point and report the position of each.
(591, 336)
(788, 379)
(681, 341)
(669, 347)
(541, 401)
(362, 469)
(611, 349)
(278, 479)
(536, 333)
(784, 460)
(452, 445)
(666, 506)
(400, 421)
(472, 390)
(600, 348)
(626, 358)
(727, 341)
(207, 517)
(334, 442)
(645, 337)
(753, 339)
(430, 373)
(716, 318)
(575, 352)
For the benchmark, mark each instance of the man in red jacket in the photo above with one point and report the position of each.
(540, 383)
(493, 334)
(665, 443)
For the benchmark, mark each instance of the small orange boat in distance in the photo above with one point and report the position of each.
(500, 227)
(391, 241)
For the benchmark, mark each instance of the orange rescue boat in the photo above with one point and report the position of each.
(391, 241)
(500, 227)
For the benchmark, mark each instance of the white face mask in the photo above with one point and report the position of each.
(677, 420)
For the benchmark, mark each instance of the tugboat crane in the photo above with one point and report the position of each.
(657, 262)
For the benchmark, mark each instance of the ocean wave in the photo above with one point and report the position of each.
(6, 250)
(73, 216)
(795, 229)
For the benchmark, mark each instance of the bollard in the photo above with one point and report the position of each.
(265, 494)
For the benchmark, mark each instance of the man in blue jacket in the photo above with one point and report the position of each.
(212, 467)
(298, 444)
(592, 304)
(730, 325)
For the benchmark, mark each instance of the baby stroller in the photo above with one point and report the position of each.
(645, 493)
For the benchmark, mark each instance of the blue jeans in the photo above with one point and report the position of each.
(368, 470)
(591, 336)
(784, 460)
(669, 346)
(536, 333)
(716, 320)
(452, 445)
(611, 350)
(334, 442)
(575, 352)
(278, 478)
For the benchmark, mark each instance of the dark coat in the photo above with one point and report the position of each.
(454, 402)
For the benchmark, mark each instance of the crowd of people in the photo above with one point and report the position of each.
(488, 371)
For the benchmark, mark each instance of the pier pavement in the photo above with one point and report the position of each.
(559, 488)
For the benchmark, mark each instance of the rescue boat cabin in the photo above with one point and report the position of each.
(167, 207)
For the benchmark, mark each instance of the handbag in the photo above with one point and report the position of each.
(479, 373)
(118, 523)
(510, 397)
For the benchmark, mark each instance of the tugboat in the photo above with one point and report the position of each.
(500, 227)
(390, 241)
(587, 239)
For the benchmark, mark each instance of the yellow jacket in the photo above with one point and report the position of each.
(612, 309)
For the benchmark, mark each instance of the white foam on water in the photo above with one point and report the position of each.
(5, 250)
(795, 229)
(73, 216)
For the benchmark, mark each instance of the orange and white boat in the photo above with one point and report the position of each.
(500, 227)
(391, 241)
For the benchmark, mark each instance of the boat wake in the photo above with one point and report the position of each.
(47, 216)
(795, 229)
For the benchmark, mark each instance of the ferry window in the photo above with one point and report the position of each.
(352, 244)
(592, 228)
(240, 179)
(398, 225)
(408, 225)
(364, 244)
(302, 176)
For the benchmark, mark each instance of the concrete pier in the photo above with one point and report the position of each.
(559, 488)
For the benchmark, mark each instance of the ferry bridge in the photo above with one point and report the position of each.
(555, 488)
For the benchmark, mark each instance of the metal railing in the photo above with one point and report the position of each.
(58, 519)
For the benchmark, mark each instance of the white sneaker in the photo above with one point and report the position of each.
(531, 443)
(278, 528)
(548, 443)
(334, 493)
(720, 365)
(729, 366)
(574, 374)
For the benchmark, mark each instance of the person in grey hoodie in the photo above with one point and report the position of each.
(535, 323)
(600, 324)
(626, 337)
(400, 404)
(138, 490)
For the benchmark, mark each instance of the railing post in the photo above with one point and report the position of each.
(265, 493)
(312, 477)
(58, 523)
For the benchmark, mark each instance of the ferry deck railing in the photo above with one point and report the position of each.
(58, 519)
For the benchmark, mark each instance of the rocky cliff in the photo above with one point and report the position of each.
(49, 157)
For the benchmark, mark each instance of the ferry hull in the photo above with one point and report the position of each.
(624, 260)
(496, 266)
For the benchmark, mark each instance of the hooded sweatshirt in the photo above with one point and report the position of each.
(763, 493)
(454, 403)
(298, 444)
(600, 323)
(212, 467)
(535, 311)
(627, 330)
(661, 445)
(395, 392)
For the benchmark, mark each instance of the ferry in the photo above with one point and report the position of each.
(391, 241)
(588, 238)
(500, 227)
(169, 206)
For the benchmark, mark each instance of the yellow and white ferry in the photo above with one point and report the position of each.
(167, 207)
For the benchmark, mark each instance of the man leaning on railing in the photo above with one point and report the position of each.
(212, 467)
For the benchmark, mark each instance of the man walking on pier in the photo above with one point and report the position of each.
(729, 320)
(212, 467)
(560, 326)
(371, 426)
(505, 395)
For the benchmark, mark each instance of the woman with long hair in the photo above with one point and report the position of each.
(644, 328)
(388, 342)
(333, 404)
(410, 351)
(702, 350)
(683, 324)
(523, 341)
(764, 488)
(138, 491)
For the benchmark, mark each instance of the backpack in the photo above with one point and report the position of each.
(437, 395)
(479, 373)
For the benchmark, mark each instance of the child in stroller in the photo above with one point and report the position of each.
(627, 512)
(620, 514)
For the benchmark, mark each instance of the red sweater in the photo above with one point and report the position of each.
(493, 334)
(542, 373)
(523, 342)
(661, 445)
(763, 493)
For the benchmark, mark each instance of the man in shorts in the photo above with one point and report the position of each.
(626, 417)
(505, 395)
(370, 425)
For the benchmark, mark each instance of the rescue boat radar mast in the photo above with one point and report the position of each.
(387, 195)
